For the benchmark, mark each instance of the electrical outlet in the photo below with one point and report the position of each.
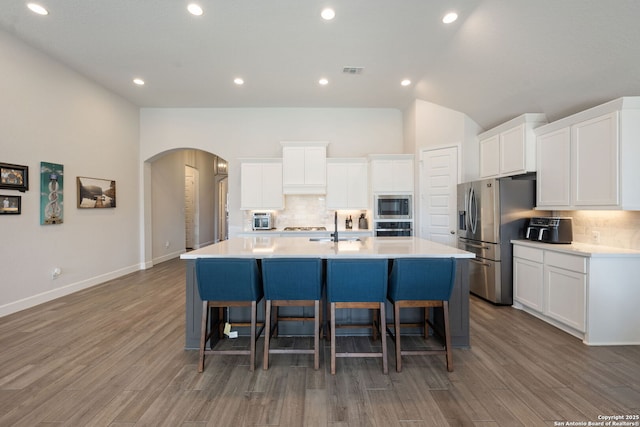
(166, 244)
(595, 236)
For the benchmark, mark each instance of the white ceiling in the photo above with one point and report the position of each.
(500, 59)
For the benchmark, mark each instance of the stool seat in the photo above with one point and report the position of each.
(357, 283)
(292, 282)
(424, 283)
(227, 282)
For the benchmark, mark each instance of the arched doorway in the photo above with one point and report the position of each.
(167, 219)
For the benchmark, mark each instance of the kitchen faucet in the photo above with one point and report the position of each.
(335, 222)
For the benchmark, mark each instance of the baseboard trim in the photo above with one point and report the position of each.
(32, 301)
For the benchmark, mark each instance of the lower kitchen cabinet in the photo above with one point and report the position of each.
(565, 289)
(588, 291)
(528, 273)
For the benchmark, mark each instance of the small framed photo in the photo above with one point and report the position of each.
(10, 204)
(14, 177)
(96, 193)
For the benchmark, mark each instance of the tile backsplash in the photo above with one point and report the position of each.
(308, 211)
(614, 228)
(304, 211)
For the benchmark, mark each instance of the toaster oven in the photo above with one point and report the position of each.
(263, 221)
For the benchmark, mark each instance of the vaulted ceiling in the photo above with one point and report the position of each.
(500, 59)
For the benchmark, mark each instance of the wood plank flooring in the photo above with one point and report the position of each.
(113, 355)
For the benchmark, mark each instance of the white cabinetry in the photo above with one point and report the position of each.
(589, 160)
(261, 184)
(392, 173)
(347, 184)
(551, 284)
(490, 156)
(565, 283)
(509, 149)
(554, 175)
(528, 277)
(595, 148)
(304, 166)
(588, 291)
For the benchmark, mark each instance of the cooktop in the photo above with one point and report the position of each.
(305, 229)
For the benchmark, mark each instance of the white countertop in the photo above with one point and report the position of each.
(367, 247)
(294, 233)
(582, 249)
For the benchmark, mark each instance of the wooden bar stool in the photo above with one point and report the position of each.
(228, 282)
(292, 282)
(357, 283)
(426, 283)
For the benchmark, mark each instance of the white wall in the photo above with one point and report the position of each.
(439, 126)
(234, 133)
(49, 113)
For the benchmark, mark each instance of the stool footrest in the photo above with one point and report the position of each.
(292, 351)
(350, 354)
(228, 352)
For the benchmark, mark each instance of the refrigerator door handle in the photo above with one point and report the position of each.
(473, 210)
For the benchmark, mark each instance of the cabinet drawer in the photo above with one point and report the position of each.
(568, 262)
(525, 252)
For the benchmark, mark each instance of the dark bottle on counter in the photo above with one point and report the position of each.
(363, 224)
(349, 223)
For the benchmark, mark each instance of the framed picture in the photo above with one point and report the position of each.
(14, 177)
(51, 193)
(96, 193)
(10, 204)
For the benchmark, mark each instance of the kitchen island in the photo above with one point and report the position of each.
(323, 247)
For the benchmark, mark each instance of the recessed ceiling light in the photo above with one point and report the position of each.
(139, 82)
(405, 82)
(195, 9)
(328, 14)
(323, 81)
(450, 17)
(238, 81)
(37, 9)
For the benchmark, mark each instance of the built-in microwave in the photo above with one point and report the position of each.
(393, 206)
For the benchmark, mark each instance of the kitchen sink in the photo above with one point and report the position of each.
(330, 239)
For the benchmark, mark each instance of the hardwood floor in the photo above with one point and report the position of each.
(113, 355)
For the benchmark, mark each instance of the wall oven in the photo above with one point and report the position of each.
(392, 206)
(393, 228)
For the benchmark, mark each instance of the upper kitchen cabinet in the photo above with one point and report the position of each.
(304, 167)
(589, 160)
(347, 184)
(261, 184)
(391, 173)
(510, 149)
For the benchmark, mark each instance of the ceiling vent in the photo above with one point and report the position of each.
(352, 70)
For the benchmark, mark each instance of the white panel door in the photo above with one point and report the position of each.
(438, 186)
(191, 207)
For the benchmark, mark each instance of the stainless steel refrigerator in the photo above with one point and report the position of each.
(491, 212)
